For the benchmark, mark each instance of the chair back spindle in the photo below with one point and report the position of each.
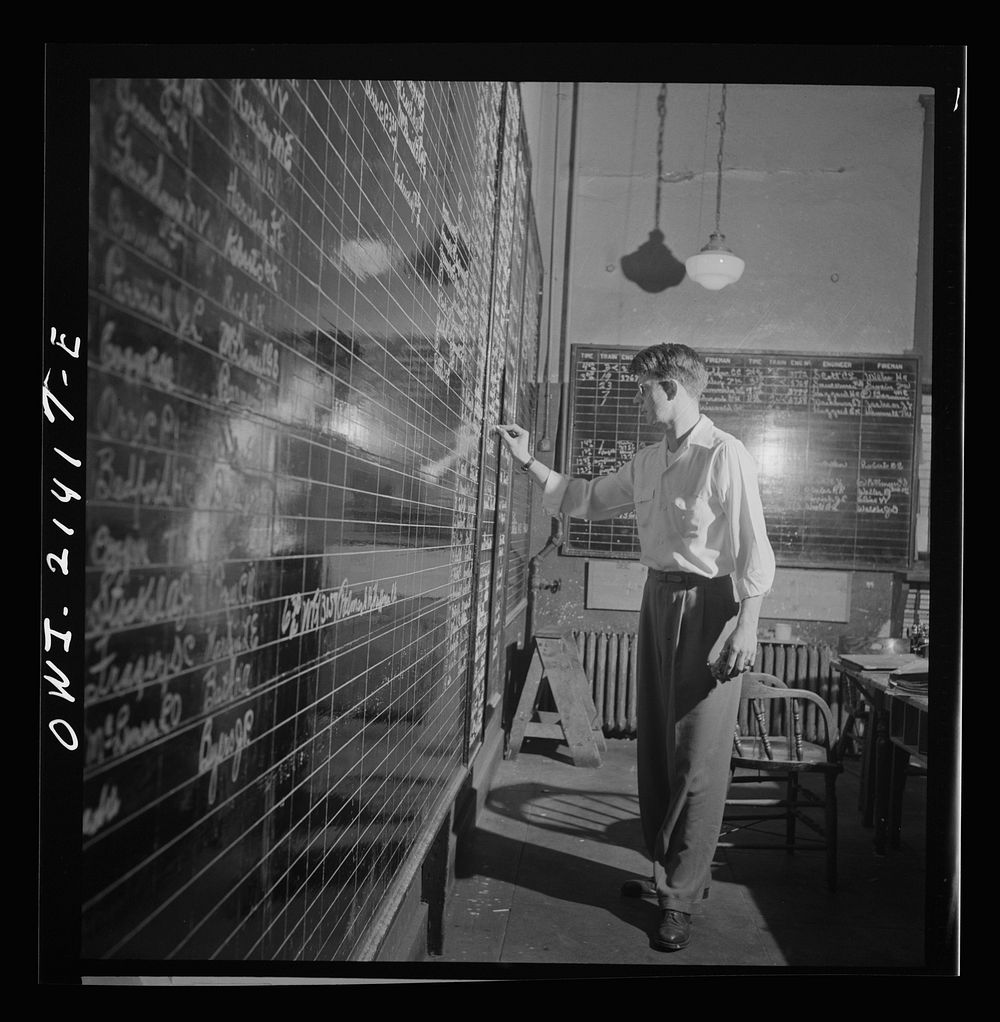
(762, 728)
(796, 729)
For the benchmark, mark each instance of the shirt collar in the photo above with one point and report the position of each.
(702, 432)
(701, 435)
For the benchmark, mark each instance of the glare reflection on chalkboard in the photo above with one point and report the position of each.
(348, 422)
(774, 452)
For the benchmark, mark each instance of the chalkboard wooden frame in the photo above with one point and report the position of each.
(527, 395)
(618, 539)
(494, 485)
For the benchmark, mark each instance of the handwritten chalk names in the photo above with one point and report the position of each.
(410, 115)
(154, 174)
(402, 119)
(278, 143)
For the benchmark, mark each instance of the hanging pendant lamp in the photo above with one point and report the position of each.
(715, 266)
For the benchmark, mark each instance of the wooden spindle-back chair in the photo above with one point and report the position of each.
(771, 745)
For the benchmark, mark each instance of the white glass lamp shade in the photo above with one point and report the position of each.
(714, 266)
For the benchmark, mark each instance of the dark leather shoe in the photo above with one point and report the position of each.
(674, 931)
(638, 889)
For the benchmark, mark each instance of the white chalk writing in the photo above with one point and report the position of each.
(230, 393)
(827, 496)
(384, 112)
(185, 543)
(279, 145)
(246, 304)
(410, 119)
(113, 679)
(119, 736)
(238, 492)
(834, 406)
(213, 752)
(108, 807)
(250, 260)
(123, 601)
(886, 486)
(304, 612)
(171, 308)
(233, 348)
(149, 183)
(868, 505)
(222, 685)
(117, 554)
(241, 637)
(411, 195)
(177, 101)
(240, 593)
(140, 113)
(150, 365)
(152, 246)
(272, 90)
(876, 496)
(270, 229)
(264, 173)
(889, 408)
(115, 421)
(171, 483)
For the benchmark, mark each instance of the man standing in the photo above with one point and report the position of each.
(703, 539)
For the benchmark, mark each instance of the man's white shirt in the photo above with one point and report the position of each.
(697, 509)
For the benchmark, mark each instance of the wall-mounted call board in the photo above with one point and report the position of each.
(310, 301)
(833, 438)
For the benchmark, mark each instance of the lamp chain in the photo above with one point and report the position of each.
(661, 109)
(718, 184)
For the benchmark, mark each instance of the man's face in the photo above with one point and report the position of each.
(653, 399)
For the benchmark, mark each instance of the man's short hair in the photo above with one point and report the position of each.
(674, 362)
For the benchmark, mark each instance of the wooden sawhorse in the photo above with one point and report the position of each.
(555, 660)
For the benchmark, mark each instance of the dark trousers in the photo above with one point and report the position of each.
(686, 720)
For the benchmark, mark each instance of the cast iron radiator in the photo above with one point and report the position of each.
(609, 661)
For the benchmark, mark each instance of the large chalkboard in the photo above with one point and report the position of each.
(833, 439)
(303, 322)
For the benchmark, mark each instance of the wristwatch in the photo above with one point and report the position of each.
(527, 464)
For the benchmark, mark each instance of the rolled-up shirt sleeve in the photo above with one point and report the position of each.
(594, 499)
(753, 557)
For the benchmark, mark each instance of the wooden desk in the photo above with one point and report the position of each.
(908, 723)
(897, 731)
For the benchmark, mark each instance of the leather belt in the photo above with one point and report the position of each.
(687, 579)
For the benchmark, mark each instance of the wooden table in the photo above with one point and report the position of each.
(897, 732)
